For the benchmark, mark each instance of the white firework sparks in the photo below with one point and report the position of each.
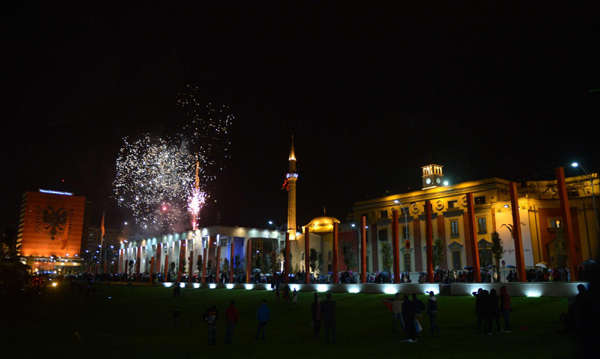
(153, 179)
(155, 176)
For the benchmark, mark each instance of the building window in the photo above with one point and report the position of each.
(452, 204)
(456, 259)
(302, 256)
(454, 228)
(383, 235)
(485, 254)
(482, 225)
(555, 223)
(383, 214)
(479, 200)
(406, 232)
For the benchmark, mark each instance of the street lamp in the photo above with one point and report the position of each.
(591, 178)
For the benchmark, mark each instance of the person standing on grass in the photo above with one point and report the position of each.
(408, 315)
(479, 307)
(211, 316)
(231, 318)
(432, 312)
(418, 306)
(396, 308)
(295, 296)
(316, 316)
(505, 308)
(328, 317)
(286, 294)
(493, 312)
(263, 315)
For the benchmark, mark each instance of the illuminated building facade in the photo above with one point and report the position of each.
(539, 210)
(51, 228)
(181, 252)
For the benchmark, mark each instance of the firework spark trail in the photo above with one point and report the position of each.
(196, 200)
(207, 132)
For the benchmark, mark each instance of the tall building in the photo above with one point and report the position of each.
(51, 227)
(290, 180)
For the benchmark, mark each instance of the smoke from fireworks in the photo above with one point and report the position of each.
(165, 181)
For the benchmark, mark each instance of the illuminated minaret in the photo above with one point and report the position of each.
(291, 177)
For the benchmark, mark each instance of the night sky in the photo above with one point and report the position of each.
(371, 92)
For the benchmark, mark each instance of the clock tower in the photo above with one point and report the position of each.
(432, 176)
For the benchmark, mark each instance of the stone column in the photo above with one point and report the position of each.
(306, 255)
(248, 259)
(473, 238)
(363, 250)
(336, 236)
(231, 260)
(395, 246)
(429, 240)
(516, 232)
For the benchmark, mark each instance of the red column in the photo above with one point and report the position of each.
(181, 249)
(158, 255)
(287, 258)
(231, 260)
(191, 268)
(151, 269)
(138, 263)
(473, 238)
(395, 246)
(363, 250)
(125, 263)
(105, 265)
(204, 265)
(306, 255)
(248, 259)
(429, 240)
(567, 223)
(516, 232)
(166, 267)
(336, 236)
(120, 261)
(218, 262)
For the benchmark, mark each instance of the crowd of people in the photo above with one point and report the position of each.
(323, 313)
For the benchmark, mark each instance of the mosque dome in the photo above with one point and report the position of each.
(322, 225)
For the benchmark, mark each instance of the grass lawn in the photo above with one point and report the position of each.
(138, 323)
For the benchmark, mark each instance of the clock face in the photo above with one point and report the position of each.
(428, 181)
(438, 180)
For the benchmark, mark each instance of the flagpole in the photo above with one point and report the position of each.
(102, 237)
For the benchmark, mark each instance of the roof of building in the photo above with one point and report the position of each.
(323, 224)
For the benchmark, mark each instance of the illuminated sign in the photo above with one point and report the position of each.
(56, 192)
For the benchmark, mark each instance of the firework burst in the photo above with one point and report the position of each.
(153, 179)
(165, 181)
